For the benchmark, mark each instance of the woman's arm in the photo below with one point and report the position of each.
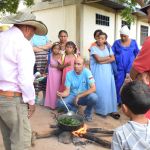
(46, 47)
(133, 73)
(100, 59)
(104, 60)
(37, 49)
(112, 58)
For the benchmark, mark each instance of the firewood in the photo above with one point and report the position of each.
(100, 141)
(48, 134)
(53, 125)
(66, 137)
(100, 130)
(77, 141)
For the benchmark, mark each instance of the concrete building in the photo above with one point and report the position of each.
(82, 17)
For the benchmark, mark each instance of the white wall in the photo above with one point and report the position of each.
(60, 18)
(89, 26)
(118, 27)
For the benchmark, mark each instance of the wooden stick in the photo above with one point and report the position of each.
(100, 130)
(100, 141)
(48, 134)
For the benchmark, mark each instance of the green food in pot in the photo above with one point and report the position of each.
(69, 121)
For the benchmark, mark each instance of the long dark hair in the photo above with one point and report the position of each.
(56, 44)
(70, 43)
(103, 33)
(97, 31)
(62, 31)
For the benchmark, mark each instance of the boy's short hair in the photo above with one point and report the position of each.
(136, 96)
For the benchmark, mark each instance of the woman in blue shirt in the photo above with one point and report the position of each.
(125, 51)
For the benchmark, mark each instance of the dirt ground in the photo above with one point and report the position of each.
(43, 118)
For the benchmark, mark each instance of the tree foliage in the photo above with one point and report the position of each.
(11, 6)
(130, 8)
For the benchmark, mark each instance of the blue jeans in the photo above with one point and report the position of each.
(88, 101)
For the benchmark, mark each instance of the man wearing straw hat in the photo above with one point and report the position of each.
(17, 93)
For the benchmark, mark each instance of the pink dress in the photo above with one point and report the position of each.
(67, 69)
(53, 84)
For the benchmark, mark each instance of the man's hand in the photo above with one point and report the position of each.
(31, 110)
(65, 93)
(76, 100)
(60, 94)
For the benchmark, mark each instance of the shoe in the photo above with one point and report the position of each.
(103, 116)
(115, 115)
(87, 118)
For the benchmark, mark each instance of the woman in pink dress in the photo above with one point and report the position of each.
(68, 61)
(53, 78)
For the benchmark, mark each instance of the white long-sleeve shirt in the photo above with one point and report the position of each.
(16, 64)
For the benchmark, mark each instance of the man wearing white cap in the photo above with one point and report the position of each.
(17, 93)
(125, 51)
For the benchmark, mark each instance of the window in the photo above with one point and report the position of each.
(123, 23)
(102, 20)
(144, 33)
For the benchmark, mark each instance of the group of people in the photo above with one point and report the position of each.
(68, 78)
(102, 55)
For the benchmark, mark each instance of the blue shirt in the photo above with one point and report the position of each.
(38, 40)
(125, 55)
(79, 83)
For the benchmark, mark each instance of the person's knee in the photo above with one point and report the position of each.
(93, 98)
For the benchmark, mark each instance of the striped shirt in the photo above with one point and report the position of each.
(132, 136)
(41, 58)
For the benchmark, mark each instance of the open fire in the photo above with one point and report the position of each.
(80, 131)
(66, 137)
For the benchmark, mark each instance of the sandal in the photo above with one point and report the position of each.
(115, 115)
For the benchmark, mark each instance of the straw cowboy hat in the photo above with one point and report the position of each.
(26, 18)
(144, 9)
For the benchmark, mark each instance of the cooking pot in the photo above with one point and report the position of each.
(70, 127)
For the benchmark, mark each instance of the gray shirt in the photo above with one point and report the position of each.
(132, 136)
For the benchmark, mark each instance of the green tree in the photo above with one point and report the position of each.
(131, 6)
(11, 6)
